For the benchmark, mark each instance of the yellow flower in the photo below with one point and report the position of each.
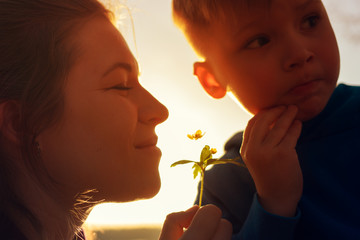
(197, 135)
(213, 150)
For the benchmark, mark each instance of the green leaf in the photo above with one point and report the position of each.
(211, 161)
(205, 154)
(181, 162)
(225, 161)
(197, 169)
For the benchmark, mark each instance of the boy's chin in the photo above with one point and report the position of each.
(305, 116)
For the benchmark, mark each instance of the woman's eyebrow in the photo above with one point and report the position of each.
(122, 65)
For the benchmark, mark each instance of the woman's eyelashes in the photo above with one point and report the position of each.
(121, 87)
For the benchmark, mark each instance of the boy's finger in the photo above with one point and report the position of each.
(281, 126)
(293, 134)
(224, 230)
(247, 132)
(263, 122)
(175, 223)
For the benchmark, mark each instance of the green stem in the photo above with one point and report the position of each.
(202, 186)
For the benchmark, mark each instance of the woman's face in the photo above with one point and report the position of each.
(106, 137)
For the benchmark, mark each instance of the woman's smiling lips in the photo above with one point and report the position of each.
(149, 143)
(149, 148)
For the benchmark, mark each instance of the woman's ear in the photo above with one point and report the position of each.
(10, 121)
(207, 80)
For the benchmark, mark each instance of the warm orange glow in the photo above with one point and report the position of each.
(166, 68)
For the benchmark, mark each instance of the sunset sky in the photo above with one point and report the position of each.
(166, 71)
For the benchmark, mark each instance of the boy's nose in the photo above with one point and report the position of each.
(152, 111)
(297, 55)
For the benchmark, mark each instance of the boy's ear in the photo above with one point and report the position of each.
(207, 80)
(10, 121)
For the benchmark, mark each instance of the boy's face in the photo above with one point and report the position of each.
(279, 54)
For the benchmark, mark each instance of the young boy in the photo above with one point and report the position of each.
(280, 59)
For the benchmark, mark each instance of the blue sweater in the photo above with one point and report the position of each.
(329, 155)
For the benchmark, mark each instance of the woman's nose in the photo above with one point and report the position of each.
(152, 111)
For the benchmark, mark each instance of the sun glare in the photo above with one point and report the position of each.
(166, 60)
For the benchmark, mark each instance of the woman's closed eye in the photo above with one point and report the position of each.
(121, 87)
(257, 42)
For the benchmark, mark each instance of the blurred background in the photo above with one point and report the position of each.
(166, 71)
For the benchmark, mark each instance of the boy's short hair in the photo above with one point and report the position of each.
(194, 17)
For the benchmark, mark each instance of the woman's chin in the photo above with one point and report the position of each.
(152, 189)
(145, 190)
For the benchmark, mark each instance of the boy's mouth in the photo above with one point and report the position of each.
(305, 87)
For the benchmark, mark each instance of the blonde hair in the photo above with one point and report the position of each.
(194, 17)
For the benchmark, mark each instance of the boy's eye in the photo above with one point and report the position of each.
(257, 42)
(310, 22)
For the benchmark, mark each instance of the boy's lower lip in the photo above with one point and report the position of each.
(305, 88)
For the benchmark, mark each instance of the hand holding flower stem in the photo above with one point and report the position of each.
(206, 159)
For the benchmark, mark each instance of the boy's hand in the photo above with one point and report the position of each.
(202, 224)
(268, 149)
